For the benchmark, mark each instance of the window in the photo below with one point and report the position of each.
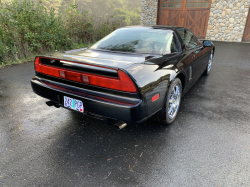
(139, 40)
(198, 3)
(188, 38)
(171, 4)
(174, 45)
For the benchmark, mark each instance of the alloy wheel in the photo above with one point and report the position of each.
(174, 101)
(210, 62)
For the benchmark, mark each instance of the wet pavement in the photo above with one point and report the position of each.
(207, 145)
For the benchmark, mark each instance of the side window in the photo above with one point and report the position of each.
(188, 38)
(174, 45)
(181, 33)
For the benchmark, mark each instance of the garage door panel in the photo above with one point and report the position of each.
(170, 17)
(196, 21)
(246, 36)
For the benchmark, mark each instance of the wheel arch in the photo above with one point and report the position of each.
(182, 78)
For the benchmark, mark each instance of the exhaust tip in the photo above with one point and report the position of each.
(120, 125)
(50, 103)
(56, 105)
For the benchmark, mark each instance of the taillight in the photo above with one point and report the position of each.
(37, 64)
(123, 82)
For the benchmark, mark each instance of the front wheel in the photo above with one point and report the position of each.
(209, 65)
(172, 104)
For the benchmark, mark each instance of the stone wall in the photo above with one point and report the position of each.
(227, 20)
(149, 12)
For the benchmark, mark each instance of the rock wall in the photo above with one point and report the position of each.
(227, 20)
(149, 12)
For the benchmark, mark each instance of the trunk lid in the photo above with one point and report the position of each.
(100, 58)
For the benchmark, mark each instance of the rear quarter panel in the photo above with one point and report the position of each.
(151, 81)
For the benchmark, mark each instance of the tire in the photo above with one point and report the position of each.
(165, 115)
(209, 65)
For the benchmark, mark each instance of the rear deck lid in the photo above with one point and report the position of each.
(101, 58)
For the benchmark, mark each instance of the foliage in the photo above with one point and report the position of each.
(78, 25)
(28, 28)
(130, 17)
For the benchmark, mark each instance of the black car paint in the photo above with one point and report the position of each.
(152, 76)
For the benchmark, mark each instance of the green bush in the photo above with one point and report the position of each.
(28, 28)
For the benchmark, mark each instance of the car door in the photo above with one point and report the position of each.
(193, 53)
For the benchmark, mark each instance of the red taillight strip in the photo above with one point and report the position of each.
(123, 83)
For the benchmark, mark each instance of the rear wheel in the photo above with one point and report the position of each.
(173, 100)
(209, 65)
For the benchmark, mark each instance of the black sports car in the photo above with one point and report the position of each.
(130, 75)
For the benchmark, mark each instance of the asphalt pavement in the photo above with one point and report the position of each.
(207, 145)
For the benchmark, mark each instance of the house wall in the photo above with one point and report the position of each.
(149, 12)
(226, 22)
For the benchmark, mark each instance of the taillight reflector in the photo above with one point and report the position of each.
(155, 97)
(123, 83)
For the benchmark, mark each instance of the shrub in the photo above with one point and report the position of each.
(28, 28)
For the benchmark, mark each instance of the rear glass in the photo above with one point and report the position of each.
(139, 40)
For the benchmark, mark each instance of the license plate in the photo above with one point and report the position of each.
(73, 104)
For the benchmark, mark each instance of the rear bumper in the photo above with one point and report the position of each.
(128, 110)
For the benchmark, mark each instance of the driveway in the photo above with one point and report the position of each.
(207, 145)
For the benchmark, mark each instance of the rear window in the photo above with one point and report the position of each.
(139, 40)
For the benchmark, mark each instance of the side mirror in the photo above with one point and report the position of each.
(207, 43)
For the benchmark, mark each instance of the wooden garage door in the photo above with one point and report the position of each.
(170, 12)
(246, 36)
(192, 14)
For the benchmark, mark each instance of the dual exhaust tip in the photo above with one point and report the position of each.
(120, 125)
(117, 125)
(52, 103)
